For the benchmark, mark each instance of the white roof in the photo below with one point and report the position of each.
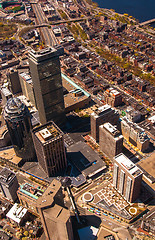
(128, 165)
(104, 107)
(110, 127)
(25, 76)
(16, 213)
(45, 133)
(152, 119)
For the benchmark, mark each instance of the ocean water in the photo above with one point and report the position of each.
(140, 9)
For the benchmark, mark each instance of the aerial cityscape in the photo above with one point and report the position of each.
(77, 122)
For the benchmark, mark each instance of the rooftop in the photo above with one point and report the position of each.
(14, 109)
(148, 167)
(85, 159)
(26, 77)
(47, 198)
(47, 132)
(31, 190)
(17, 213)
(9, 154)
(141, 134)
(102, 110)
(43, 54)
(110, 128)
(58, 212)
(6, 176)
(6, 91)
(128, 165)
(73, 85)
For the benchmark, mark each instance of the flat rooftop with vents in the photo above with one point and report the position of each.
(128, 165)
(47, 132)
(31, 190)
(6, 176)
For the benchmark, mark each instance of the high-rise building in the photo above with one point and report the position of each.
(100, 116)
(46, 76)
(127, 177)
(55, 218)
(110, 140)
(50, 150)
(17, 118)
(9, 184)
(27, 87)
(14, 83)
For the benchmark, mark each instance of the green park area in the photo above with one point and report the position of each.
(7, 30)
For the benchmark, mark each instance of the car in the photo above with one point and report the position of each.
(92, 208)
(98, 213)
(105, 214)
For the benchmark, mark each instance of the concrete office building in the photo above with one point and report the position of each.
(100, 116)
(46, 76)
(49, 145)
(27, 87)
(54, 217)
(14, 83)
(8, 184)
(127, 177)
(17, 118)
(110, 140)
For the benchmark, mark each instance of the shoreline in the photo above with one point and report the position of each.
(124, 18)
(138, 18)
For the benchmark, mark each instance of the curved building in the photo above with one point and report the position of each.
(17, 117)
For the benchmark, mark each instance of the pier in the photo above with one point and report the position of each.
(147, 22)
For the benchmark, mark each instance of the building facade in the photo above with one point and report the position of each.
(110, 140)
(100, 116)
(27, 87)
(135, 134)
(8, 184)
(50, 150)
(6, 95)
(113, 97)
(17, 118)
(46, 76)
(127, 177)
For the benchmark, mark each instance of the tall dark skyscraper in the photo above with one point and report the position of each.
(17, 118)
(46, 76)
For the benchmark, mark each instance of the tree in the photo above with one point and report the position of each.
(26, 234)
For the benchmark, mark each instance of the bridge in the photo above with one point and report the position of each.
(147, 22)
